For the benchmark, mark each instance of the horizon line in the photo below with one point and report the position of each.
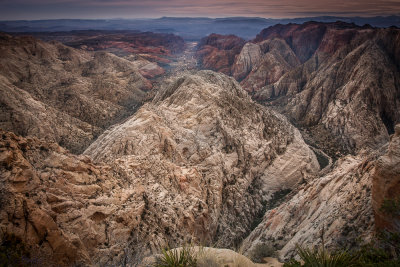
(203, 17)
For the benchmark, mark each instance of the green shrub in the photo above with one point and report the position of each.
(261, 251)
(323, 258)
(183, 257)
(366, 256)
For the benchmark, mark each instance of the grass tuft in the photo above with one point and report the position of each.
(183, 257)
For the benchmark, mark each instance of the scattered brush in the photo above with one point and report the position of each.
(262, 251)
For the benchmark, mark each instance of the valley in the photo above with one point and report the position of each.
(116, 144)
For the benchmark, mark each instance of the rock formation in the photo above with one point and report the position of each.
(350, 87)
(338, 76)
(218, 52)
(339, 202)
(65, 95)
(201, 161)
(192, 136)
(357, 198)
(178, 169)
(156, 47)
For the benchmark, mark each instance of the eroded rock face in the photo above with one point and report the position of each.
(156, 47)
(194, 130)
(218, 52)
(338, 76)
(58, 203)
(386, 187)
(178, 170)
(276, 59)
(65, 95)
(352, 93)
(338, 202)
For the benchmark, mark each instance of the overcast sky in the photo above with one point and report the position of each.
(55, 9)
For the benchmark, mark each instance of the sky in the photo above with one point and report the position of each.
(91, 9)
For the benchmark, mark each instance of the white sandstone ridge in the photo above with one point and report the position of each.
(338, 204)
(208, 157)
(197, 164)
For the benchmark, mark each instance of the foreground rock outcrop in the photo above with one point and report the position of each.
(337, 204)
(63, 94)
(358, 198)
(177, 170)
(217, 257)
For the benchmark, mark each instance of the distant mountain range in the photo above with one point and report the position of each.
(188, 28)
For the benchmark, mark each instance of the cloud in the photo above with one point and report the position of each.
(153, 8)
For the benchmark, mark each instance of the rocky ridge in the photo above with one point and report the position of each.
(338, 76)
(177, 170)
(345, 205)
(218, 52)
(65, 95)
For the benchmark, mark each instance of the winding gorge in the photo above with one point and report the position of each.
(117, 144)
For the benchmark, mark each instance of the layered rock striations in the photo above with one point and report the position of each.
(336, 206)
(156, 47)
(62, 94)
(218, 52)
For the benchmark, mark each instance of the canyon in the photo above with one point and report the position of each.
(114, 145)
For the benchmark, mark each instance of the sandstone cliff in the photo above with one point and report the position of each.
(177, 170)
(356, 199)
(218, 52)
(62, 94)
(336, 76)
(352, 90)
(191, 139)
(339, 202)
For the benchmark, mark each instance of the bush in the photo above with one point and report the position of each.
(183, 257)
(366, 256)
(261, 251)
(322, 258)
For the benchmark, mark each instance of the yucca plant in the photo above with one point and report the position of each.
(183, 257)
(322, 258)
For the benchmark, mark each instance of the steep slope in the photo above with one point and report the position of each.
(352, 91)
(177, 170)
(338, 202)
(349, 204)
(337, 77)
(218, 52)
(276, 58)
(192, 136)
(62, 94)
